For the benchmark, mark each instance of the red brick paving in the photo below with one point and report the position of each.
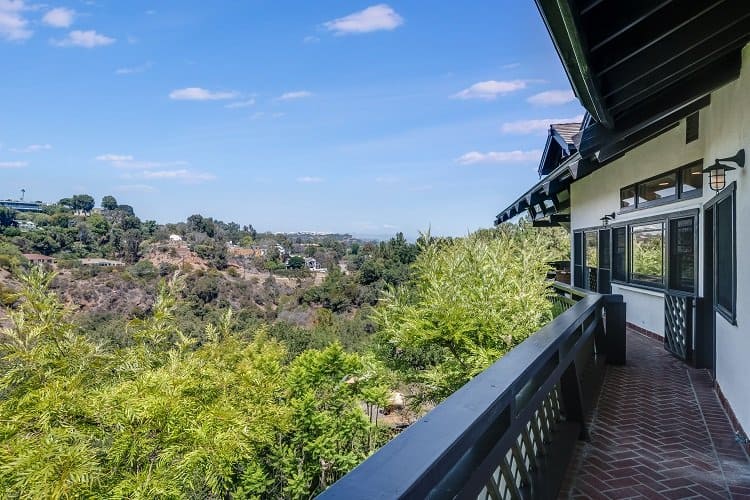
(658, 431)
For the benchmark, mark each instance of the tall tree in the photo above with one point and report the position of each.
(109, 203)
(7, 217)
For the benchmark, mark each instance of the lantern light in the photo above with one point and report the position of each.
(717, 173)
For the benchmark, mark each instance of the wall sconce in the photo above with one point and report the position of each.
(607, 217)
(717, 173)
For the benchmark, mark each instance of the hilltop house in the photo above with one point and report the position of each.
(647, 363)
(23, 206)
(101, 262)
(38, 259)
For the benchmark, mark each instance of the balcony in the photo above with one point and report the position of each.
(563, 414)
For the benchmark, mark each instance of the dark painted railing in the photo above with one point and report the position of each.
(511, 431)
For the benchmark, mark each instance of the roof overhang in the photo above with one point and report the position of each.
(631, 61)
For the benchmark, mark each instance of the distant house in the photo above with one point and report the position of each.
(102, 262)
(25, 224)
(175, 237)
(23, 206)
(38, 259)
(313, 265)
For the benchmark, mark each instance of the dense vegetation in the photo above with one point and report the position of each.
(161, 379)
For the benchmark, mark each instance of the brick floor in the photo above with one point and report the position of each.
(657, 431)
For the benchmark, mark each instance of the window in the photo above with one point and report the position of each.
(647, 249)
(660, 189)
(592, 259)
(619, 254)
(627, 197)
(682, 183)
(692, 127)
(692, 180)
(578, 259)
(682, 254)
(725, 264)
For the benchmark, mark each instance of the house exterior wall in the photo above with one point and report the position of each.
(724, 129)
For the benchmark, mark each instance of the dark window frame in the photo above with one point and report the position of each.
(664, 252)
(680, 194)
(667, 220)
(729, 192)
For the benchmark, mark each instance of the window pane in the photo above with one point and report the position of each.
(647, 241)
(627, 197)
(692, 178)
(664, 187)
(604, 248)
(724, 255)
(577, 249)
(682, 255)
(619, 251)
(592, 249)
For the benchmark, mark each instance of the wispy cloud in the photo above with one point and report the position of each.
(32, 148)
(309, 180)
(297, 94)
(59, 17)
(310, 39)
(13, 164)
(376, 18)
(552, 98)
(155, 170)
(201, 94)
(475, 157)
(134, 188)
(13, 25)
(490, 89)
(387, 179)
(182, 174)
(511, 65)
(134, 69)
(241, 104)
(534, 126)
(86, 39)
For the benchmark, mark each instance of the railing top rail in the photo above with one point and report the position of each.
(428, 448)
(573, 290)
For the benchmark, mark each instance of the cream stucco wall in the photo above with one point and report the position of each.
(724, 128)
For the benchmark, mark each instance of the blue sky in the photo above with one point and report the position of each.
(322, 116)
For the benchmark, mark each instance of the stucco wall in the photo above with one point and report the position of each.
(724, 128)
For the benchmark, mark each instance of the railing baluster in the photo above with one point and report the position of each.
(510, 481)
(521, 464)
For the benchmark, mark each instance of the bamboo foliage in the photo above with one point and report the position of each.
(166, 418)
(472, 300)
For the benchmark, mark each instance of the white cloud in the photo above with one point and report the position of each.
(297, 94)
(59, 17)
(511, 65)
(182, 174)
(309, 180)
(200, 94)
(240, 104)
(533, 126)
(387, 179)
(135, 188)
(13, 26)
(310, 39)
(475, 157)
(134, 69)
(552, 98)
(490, 89)
(32, 148)
(376, 18)
(114, 157)
(86, 39)
(13, 164)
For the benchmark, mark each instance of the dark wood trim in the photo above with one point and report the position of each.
(728, 192)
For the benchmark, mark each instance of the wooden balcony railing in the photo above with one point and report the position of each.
(510, 432)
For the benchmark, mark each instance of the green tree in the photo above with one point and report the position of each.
(7, 217)
(295, 262)
(109, 203)
(83, 202)
(472, 299)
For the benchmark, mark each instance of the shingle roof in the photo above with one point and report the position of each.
(567, 130)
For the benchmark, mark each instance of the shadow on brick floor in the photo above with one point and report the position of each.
(657, 431)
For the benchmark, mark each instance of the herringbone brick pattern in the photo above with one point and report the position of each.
(658, 431)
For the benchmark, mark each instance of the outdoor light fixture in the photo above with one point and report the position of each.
(717, 173)
(607, 217)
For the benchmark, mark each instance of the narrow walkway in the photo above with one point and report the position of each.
(658, 431)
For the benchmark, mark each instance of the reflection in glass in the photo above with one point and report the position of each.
(647, 241)
(657, 189)
(627, 197)
(692, 178)
(592, 249)
(682, 255)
